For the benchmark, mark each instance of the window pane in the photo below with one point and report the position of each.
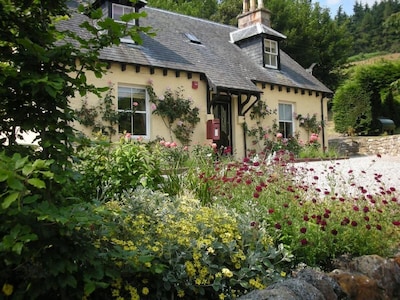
(117, 11)
(124, 104)
(139, 124)
(139, 98)
(124, 122)
(285, 112)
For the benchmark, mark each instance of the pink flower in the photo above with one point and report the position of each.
(128, 135)
(214, 145)
(279, 135)
(162, 143)
(173, 145)
(135, 104)
(186, 148)
(167, 144)
(313, 137)
(153, 107)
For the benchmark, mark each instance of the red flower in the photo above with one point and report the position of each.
(366, 218)
(285, 205)
(396, 223)
(303, 230)
(334, 232)
(271, 211)
(355, 208)
(304, 242)
(366, 209)
(379, 227)
(306, 218)
(353, 223)
(278, 226)
(256, 195)
(368, 226)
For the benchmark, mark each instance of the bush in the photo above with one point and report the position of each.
(179, 248)
(105, 169)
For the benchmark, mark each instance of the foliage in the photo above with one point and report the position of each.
(40, 71)
(202, 9)
(46, 247)
(361, 99)
(189, 250)
(88, 116)
(310, 124)
(318, 219)
(177, 113)
(105, 169)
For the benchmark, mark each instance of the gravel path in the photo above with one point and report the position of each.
(365, 174)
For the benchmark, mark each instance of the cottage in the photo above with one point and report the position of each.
(224, 70)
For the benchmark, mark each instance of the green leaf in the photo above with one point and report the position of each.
(17, 248)
(20, 162)
(9, 200)
(27, 170)
(15, 184)
(146, 258)
(36, 182)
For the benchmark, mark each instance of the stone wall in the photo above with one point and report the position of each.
(385, 145)
(369, 277)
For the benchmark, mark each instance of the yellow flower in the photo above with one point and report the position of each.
(283, 274)
(226, 272)
(221, 297)
(7, 289)
(145, 291)
(181, 293)
(210, 250)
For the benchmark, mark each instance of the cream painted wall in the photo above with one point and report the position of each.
(303, 103)
(130, 77)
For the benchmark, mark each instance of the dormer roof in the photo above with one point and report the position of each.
(255, 30)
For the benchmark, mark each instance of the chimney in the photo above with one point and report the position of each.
(252, 15)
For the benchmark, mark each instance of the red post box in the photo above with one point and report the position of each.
(213, 129)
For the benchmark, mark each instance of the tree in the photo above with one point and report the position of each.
(196, 8)
(42, 67)
(351, 109)
(368, 93)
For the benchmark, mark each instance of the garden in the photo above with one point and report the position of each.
(136, 220)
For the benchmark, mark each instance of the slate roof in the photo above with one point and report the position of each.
(223, 63)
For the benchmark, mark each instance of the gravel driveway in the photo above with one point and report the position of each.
(366, 174)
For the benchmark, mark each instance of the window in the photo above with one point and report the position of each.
(119, 10)
(286, 119)
(133, 110)
(270, 53)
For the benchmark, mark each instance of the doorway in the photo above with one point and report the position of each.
(222, 111)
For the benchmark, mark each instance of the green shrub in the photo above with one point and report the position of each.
(105, 169)
(186, 250)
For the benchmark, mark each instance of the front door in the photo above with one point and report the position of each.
(222, 111)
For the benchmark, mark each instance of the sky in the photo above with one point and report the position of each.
(347, 5)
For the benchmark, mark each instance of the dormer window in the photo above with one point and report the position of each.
(119, 10)
(270, 53)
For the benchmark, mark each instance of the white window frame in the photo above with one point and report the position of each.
(125, 10)
(116, 18)
(271, 51)
(147, 111)
(287, 118)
